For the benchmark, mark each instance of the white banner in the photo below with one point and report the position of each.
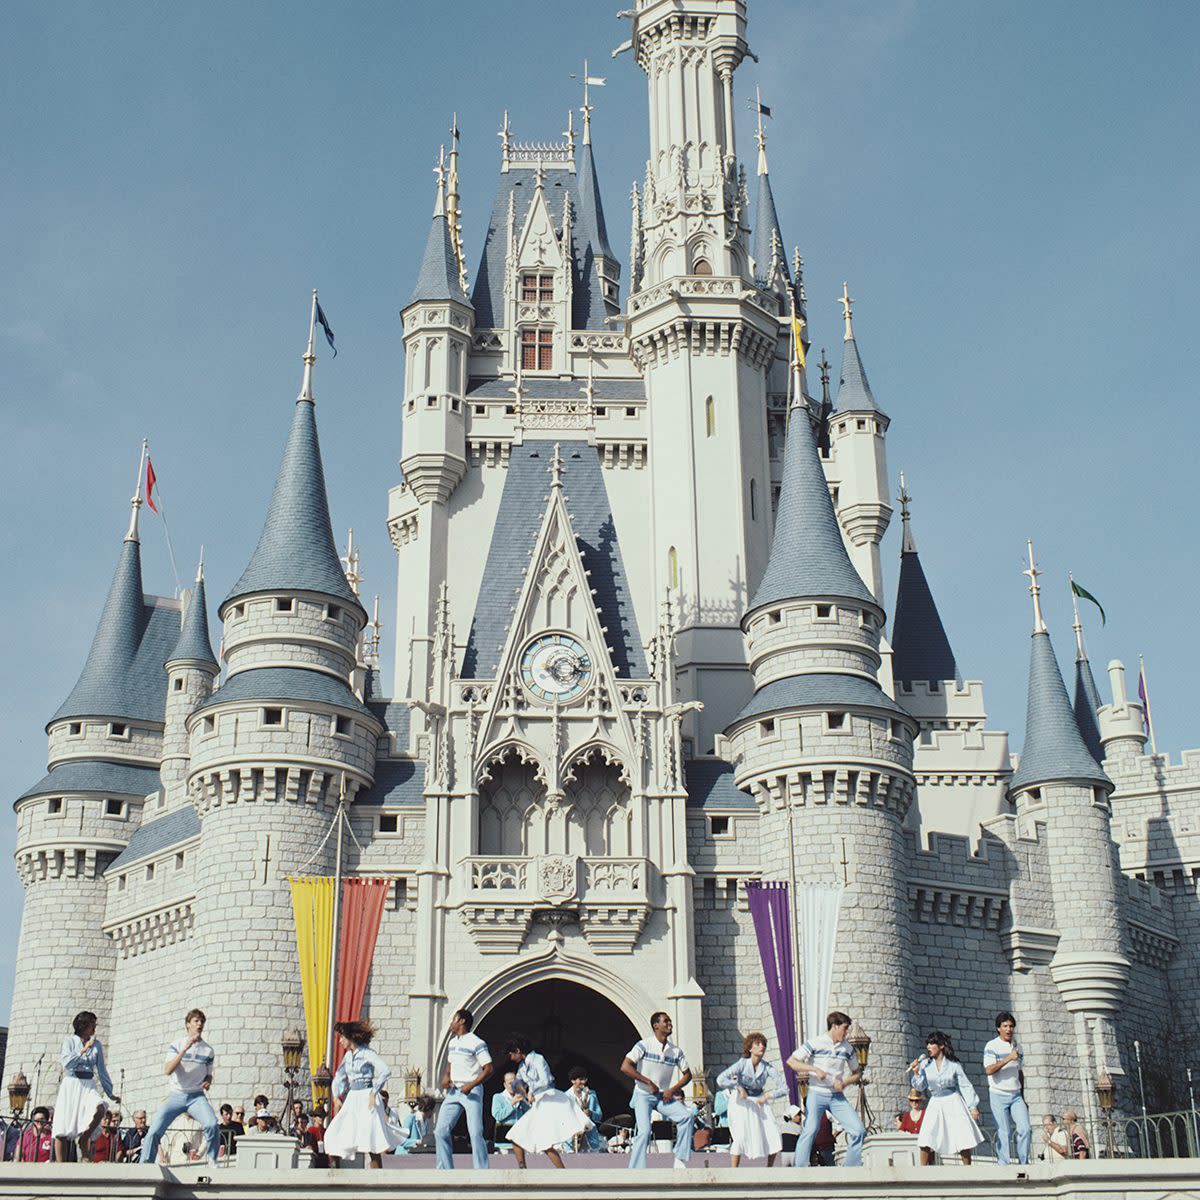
(817, 908)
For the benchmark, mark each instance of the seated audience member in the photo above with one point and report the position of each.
(104, 1148)
(230, 1129)
(910, 1121)
(130, 1141)
(314, 1138)
(37, 1144)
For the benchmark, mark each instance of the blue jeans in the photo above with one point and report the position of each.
(453, 1106)
(1009, 1108)
(196, 1105)
(841, 1110)
(645, 1106)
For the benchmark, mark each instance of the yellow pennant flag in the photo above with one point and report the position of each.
(312, 907)
(797, 338)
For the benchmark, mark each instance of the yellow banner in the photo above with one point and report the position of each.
(312, 905)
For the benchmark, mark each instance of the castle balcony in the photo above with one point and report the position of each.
(608, 898)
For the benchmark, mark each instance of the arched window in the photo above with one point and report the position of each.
(754, 499)
(710, 416)
(673, 567)
(702, 267)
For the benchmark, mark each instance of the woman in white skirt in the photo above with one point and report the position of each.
(752, 1084)
(553, 1117)
(359, 1124)
(79, 1105)
(950, 1124)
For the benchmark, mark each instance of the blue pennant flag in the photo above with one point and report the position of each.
(325, 326)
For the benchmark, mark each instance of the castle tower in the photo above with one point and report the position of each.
(104, 747)
(272, 751)
(1087, 698)
(828, 755)
(1122, 723)
(704, 337)
(859, 460)
(1060, 785)
(191, 670)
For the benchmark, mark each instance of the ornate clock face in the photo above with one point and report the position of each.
(556, 666)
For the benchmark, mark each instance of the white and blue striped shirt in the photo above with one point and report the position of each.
(836, 1059)
(657, 1061)
(468, 1055)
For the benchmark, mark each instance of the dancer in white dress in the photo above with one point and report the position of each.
(950, 1125)
(553, 1117)
(79, 1105)
(359, 1124)
(752, 1085)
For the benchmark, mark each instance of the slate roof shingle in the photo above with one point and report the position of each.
(710, 786)
(93, 775)
(920, 648)
(157, 836)
(194, 642)
(818, 691)
(283, 684)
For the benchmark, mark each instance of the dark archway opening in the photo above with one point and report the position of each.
(571, 1026)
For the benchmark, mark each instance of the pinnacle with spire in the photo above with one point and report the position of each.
(132, 534)
(1087, 696)
(441, 276)
(854, 392)
(194, 643)
(920, 648)
(770, 261)
(1054, 750)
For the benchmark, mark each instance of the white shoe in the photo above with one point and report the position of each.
(680, 1165)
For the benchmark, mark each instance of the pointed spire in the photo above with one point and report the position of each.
(1054, 750)
(592, 228)
(854, 392)
(761, 136)
(769, 256)
(1035, 590)
(135, 504)
(440, 277)
(295, 550)
(454, 207)
(310, 357)
(920, 648)
(1087, 696)
(194, 643)
(808, 556)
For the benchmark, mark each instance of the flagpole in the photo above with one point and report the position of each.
(136, 502)
(309, 356)
(337, 905)
(1146, 700)
(795, 930)
(162, 516)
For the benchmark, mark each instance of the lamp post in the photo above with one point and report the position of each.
(860, 1043)
(292, 1044)
(18, 1095)
(1105, 1094)
(322, 1081)
(412, 1087)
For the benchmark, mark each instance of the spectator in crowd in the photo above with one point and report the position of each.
(262, 1121)
(314, 1137)
(297, 1121)
(260, 1101)
(416, 1125)
(824, 1142)
(229, 1129)
(1055, 1138)
(12, 1138)
(508, 1106)
(910, 1121)
(1076, 1134)
(104, 1143)
(37, 1144)
(130, 1142)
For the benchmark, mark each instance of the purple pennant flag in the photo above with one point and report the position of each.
(771, 910)
(1144, 699)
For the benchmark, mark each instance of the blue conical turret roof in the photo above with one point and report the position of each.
(854, 392)
(767, 233)
(295, 550)
(1087, 706)
(194, 643)
(808, 556)
(438, 278)
(1054, 750)
(591, 224)
(920, 648)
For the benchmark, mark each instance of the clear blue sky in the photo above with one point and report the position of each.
(1011, 191)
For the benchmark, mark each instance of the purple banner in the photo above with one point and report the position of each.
(771, 910)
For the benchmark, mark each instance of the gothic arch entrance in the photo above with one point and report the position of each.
(571, 1025)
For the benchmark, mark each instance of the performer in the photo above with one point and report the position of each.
(752, 1085)
(79, 1106)
(831, 1066)
(553, 1116)
(591, 1140)
(190, 1066)
(950, 1120)
(1003, 1059)
(359, 1122)
(652, 1064)
(416, 1125)
(468, 1065)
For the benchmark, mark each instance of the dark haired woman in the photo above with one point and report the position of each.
(752, 1085)
(359, 1124)
(79, 1105)
(553, 1117)
(951, 1116)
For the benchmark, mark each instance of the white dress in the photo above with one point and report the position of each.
(753, 1130)
(78, 1097)
(361, 1124)
(948, 1127)
(553, 1118)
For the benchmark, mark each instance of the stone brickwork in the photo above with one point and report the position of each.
(120, 741)
(259, 633)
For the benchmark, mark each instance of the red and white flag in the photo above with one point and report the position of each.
(151, 480)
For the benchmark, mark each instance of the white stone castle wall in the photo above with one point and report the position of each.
(140, 743)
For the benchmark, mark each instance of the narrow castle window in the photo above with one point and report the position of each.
(754, 499)
(239, 611)
(710, 416)
(342, 726)
(149, 871)
(673, 566)
(121, 881)
(835, 722)
(767, 728)
(210, 724)
(117, 730)
(178, 684)
(702, 267)
(272, 716)
(333, 612)
(389, 823)
(284, 604)
(114, 808)
(825, 612)
(75, 729)
(718, 826)
(54, 807)
(537, 349)
(179, 861)
(537, 288)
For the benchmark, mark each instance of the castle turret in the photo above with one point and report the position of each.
(272, 751)
(828, 755)
(191, 669)
(859, 459)
(104, 747)
(1123, 722)
(1060, 785)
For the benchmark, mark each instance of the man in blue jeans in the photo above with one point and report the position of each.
(831, 1066)
(1002, 1062)
(190, 1066)
(468, 1064)
(652, 1064)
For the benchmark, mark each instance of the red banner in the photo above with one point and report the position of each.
(362, 912)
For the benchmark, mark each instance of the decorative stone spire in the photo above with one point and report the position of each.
(1054, 750)
(194, 643)
(770, 261)
(920, 648)
(135, 504)
(441, 276)
(454, 207)
(295, 550)
(854, 392)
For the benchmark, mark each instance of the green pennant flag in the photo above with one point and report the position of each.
(1084, 594)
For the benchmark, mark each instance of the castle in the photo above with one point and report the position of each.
(642, 660)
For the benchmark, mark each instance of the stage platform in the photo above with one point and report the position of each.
(1128, 1179)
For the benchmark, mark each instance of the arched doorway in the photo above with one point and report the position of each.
(571, 1025)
